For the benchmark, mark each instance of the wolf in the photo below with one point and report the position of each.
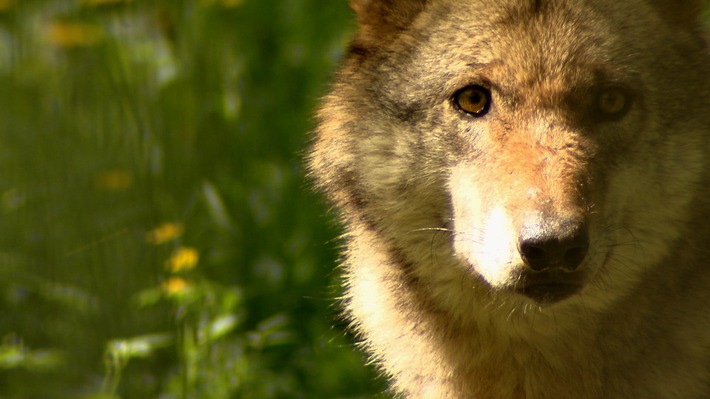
(525, 191)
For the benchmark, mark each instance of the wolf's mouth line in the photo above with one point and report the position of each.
(548, 287)
(549, 292)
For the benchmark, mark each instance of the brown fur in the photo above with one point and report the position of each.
(557, 245)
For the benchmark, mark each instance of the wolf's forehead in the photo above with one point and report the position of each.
(519, 46)
(523, 33)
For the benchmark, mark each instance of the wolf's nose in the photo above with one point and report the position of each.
(544, 246)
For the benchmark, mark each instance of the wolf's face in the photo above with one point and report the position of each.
(557, 154)
(522, 151)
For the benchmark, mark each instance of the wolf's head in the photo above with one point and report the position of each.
(539, 151)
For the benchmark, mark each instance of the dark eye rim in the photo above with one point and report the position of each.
(486, 108)
(614, 116)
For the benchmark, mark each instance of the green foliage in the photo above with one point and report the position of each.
(157, 235)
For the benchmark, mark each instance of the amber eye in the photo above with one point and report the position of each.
(474, 100)
(613, 102)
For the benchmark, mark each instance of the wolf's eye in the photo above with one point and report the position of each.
(474, 100)
(613, 102)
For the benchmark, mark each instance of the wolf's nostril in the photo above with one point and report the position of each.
(562, 248)
(532, 252)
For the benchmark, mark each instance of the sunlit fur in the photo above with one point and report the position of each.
(600, 111)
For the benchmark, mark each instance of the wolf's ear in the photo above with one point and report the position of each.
(682, 13)
(378, 19)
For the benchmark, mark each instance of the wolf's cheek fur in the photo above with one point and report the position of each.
(638, 233)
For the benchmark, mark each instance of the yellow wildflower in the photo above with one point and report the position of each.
(176, 285)
(183, 259)
(167, 231)
(6, 4)
(74, 34)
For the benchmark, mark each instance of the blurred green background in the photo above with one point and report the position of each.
(159, 239)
